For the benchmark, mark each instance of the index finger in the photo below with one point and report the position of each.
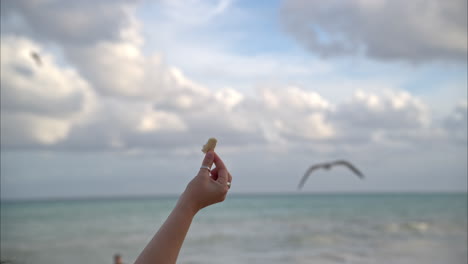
(219, 162)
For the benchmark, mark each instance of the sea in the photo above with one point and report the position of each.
(390, 228)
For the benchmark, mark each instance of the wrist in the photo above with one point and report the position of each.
(187, 204)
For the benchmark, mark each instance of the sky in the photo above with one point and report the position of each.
(127, 92)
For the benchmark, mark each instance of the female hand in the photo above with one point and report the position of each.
(208, 187)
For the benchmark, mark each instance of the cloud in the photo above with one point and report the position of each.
(390, 118)
(81, 22)
(294, 97)
(415, 31)
(390, 109)
(291, 114)
(193, 12)
(119, 67)
(456, 123)
(226, 49)
(46, 89)
(37, 112)
(119, 125)
(21, 130)
(159, 120)
(136, 96)
(229, 98)
(107, 94)
(101, 40)
(39, 104)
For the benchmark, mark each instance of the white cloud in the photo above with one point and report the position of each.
(106, 49)
(133, 90)
(120, 98)
(40, 103)
(229, 98)
(311, 126)
(393, 119)
(25, 130)
(159, 120)
(46, 88)
(119, 68)
(193, 12)
(388, 110)
(416, 31)
(291, 114)
(293, 98)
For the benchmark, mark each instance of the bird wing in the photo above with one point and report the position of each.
(36, 58)
(308, 173)
(350, 166)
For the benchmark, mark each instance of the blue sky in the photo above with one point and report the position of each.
(254, 29)
(128, 92)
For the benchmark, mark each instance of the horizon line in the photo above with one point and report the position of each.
(235, 194)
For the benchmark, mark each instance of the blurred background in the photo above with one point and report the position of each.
(105, 106)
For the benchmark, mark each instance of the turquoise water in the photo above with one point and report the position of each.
(352, 228)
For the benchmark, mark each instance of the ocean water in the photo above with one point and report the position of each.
(305, 228)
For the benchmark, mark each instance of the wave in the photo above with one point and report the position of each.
(411, 226)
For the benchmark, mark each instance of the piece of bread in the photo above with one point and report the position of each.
(210, 145)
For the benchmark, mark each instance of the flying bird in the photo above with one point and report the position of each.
(327, 166)
(36, 58)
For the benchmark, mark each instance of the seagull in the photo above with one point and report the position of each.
(327, 166)
(36, 58)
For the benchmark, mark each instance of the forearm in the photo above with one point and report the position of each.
(166, 243)
(207, 188)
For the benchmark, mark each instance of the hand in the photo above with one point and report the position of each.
(207, 187)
